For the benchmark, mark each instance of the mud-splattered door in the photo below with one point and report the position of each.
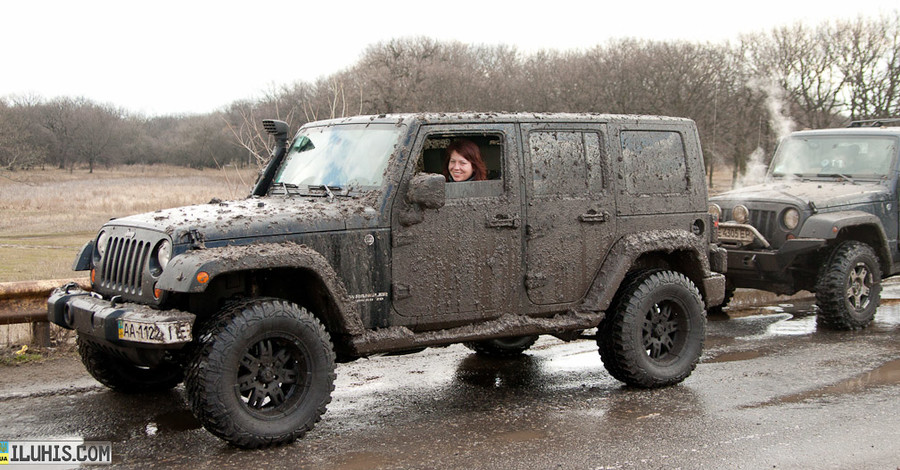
(570, 219)
(461, 262)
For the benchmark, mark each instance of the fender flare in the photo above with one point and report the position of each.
(824, 225)
(627, 250)
(181, 274)
(829, 225)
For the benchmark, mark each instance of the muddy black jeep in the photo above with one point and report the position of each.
(352, 244)
(824, 220)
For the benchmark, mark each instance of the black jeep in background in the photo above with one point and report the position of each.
(824, 220)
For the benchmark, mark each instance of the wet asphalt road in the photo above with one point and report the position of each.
(772, 391)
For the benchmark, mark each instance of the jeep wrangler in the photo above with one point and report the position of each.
(824, 220)
(352, 244)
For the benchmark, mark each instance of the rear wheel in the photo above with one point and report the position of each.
(122, 375)
(849, 287)
(263, 374)
(502, 347)
(653, 336)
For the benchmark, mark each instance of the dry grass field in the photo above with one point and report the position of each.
(47, 215)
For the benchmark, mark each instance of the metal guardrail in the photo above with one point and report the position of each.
(26, 302)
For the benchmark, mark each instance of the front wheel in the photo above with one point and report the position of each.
(653, 336)
(849, 287)
(263, 374)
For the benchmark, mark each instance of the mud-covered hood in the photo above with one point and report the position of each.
(822, 193)
(257, 218)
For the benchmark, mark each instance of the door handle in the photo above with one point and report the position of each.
(594, 217)
(502, 221)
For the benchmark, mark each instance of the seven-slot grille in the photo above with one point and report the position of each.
(764, 221)
(122, 269)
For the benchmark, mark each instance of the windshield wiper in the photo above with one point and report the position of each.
(832, 175)
(286, 188)
(329, 190)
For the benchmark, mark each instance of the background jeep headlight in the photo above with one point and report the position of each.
(790, 218)
(715, 210)
(740, 214)
(161, 256)
(100, 247)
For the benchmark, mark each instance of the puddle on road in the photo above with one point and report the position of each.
(786, 319)
(800, 319)
(735, 356)
(887, 317)
(886, 374)
(521, 436)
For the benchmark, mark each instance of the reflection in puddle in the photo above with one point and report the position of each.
(800, 319)
(886, 374)
(794, 326)
(887, 317)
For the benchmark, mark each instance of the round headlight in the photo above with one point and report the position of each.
(163, 253)
(715, 210)
(790, 218)
(101, 245)
(740, 214)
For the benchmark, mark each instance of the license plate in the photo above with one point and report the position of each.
(736, 234)
(155, 333)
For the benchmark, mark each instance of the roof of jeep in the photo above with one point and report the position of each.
(449, 118)
(893, 131)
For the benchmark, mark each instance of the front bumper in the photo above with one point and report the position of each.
(772, 261)
(121, 324)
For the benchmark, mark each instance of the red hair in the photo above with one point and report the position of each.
(470, 151)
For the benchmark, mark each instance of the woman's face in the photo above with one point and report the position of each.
(460, 168)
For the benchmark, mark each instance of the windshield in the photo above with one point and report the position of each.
(337, 159)
(844, 156)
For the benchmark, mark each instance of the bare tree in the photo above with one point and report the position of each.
(868, 56)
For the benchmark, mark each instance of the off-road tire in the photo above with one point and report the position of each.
(848, 289)
(123, 376)
(262, 374)
(653, 336)
(502, 347)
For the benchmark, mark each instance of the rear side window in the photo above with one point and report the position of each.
(654, 162)
(566, 163)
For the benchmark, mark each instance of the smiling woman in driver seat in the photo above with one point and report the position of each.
(463, 162)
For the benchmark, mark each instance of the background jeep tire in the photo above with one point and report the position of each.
(123, 376)
(502, 347)
(263, 373)
(653, 336)
(848, 289)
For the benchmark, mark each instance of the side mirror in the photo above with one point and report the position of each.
(427, 190)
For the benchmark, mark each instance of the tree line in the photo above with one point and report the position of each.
(743, 95)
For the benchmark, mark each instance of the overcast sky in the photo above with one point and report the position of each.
(186, 56)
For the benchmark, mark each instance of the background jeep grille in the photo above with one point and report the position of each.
(765, 222)
(123, 265)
